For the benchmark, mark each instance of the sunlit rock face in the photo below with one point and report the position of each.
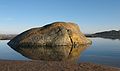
(54, 34)
(58, 53)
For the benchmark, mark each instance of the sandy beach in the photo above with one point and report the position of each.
(11, 65)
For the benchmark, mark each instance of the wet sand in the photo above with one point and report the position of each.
(10, 65)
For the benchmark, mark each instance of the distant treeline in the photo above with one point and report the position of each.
(7, 36)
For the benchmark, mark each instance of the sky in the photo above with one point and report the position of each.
(92, 16)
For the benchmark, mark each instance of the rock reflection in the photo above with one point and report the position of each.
(58, 53)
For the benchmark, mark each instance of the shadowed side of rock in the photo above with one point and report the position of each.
(55, 34)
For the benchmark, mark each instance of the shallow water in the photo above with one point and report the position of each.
(8, 53)
(102, 51)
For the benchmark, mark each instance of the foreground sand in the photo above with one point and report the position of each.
(8, 65)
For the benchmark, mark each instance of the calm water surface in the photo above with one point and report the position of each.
(102, 51)
(8, 53)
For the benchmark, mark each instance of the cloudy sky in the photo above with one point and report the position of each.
(92, 16)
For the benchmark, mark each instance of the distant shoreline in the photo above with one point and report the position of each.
(7, 36)
(112, 34)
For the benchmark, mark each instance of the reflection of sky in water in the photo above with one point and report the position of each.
(7, 53)
(102, 51)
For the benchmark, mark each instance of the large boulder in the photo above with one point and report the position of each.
(55, 34)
